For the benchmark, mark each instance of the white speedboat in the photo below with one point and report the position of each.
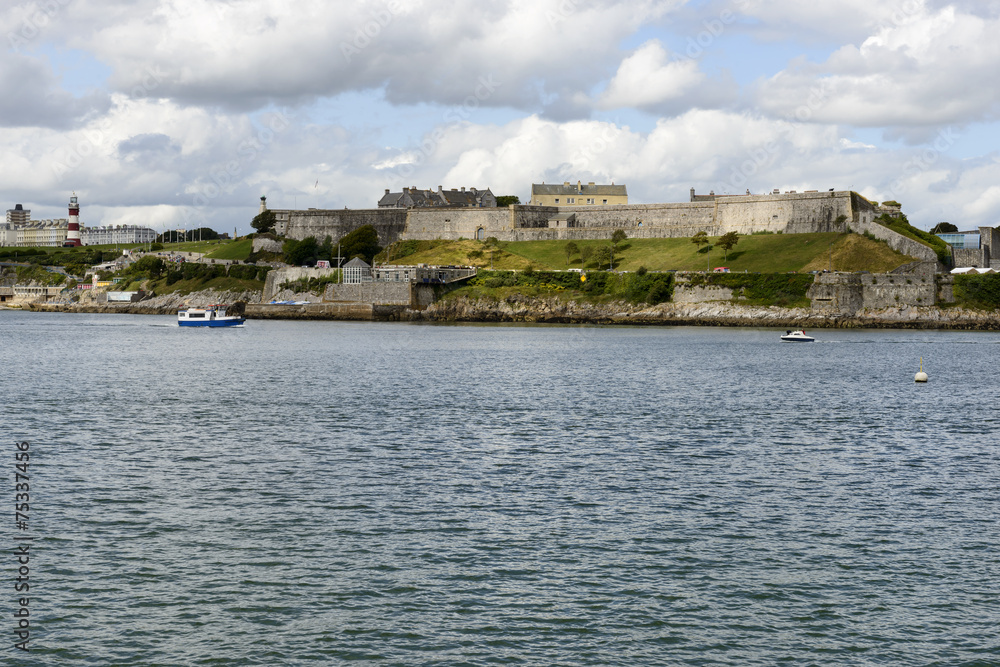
(797, 336)
(209, 316)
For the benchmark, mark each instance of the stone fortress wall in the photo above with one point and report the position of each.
(788, 213)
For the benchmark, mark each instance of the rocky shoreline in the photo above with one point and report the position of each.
(526, 309)
(518, 308)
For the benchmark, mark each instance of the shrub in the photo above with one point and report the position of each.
(979, 290)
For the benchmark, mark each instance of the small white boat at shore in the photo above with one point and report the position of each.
(209, 316)
(797, 336)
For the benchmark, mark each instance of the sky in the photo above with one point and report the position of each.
(183, 113)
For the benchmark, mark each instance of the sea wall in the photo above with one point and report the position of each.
(386, 294)
(275, 278)
(850, 293)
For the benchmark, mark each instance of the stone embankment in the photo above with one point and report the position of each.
(519, 308)
(166, 304)
(552, 310)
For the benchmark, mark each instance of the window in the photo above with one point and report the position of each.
(570, 200)
(557, 200)
(590, 201)
(605, 201)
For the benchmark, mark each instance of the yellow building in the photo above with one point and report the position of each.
(568, 194)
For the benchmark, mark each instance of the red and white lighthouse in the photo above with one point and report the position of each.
(73, 229)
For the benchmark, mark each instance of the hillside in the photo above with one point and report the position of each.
(763, 253)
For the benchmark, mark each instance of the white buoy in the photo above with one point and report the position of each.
(921, 376)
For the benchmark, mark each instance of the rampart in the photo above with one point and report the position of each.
(894, 239)
(791, 213)
(320, 223)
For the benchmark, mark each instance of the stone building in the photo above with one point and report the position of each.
(412, 197)
(40, 233)
(117, 234)
(18, 215)
(568, 194)
(965, 252)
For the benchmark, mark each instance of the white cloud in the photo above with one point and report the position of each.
(930, 70)
(648, 78)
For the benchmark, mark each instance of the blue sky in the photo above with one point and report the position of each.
(183, 112)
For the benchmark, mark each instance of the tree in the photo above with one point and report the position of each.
(571, 249)
(700, 239)
(617, 237)
(586, 252)
(727, 241)
(301, 253)
(326, 249)
(264, 222)
(507, 200)
(201, 234)
(362, 242)
(944, 228)
(604, 255)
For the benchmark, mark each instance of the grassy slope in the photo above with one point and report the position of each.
(765, 253)
(160, 286)
(239, 249)
(457, 252)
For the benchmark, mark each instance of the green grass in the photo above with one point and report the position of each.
(223, 283)
(762, 253)
(902, 226)
(239, 249)
(457, 252)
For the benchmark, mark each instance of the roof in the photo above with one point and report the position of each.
(573, 189)
(356, 263)
(390, 198)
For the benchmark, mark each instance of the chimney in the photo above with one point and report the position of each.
(440, 189)
(387, 190)
(463, 188)
(579, 187)
(591, 183)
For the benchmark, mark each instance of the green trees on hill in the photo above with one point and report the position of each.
(264, 222)
(727, 241)
(362, 242)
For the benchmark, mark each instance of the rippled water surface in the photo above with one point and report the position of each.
(320, 493)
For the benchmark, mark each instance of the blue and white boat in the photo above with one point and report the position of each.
(209, 316)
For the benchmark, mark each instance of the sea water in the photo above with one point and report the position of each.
(292, 493)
